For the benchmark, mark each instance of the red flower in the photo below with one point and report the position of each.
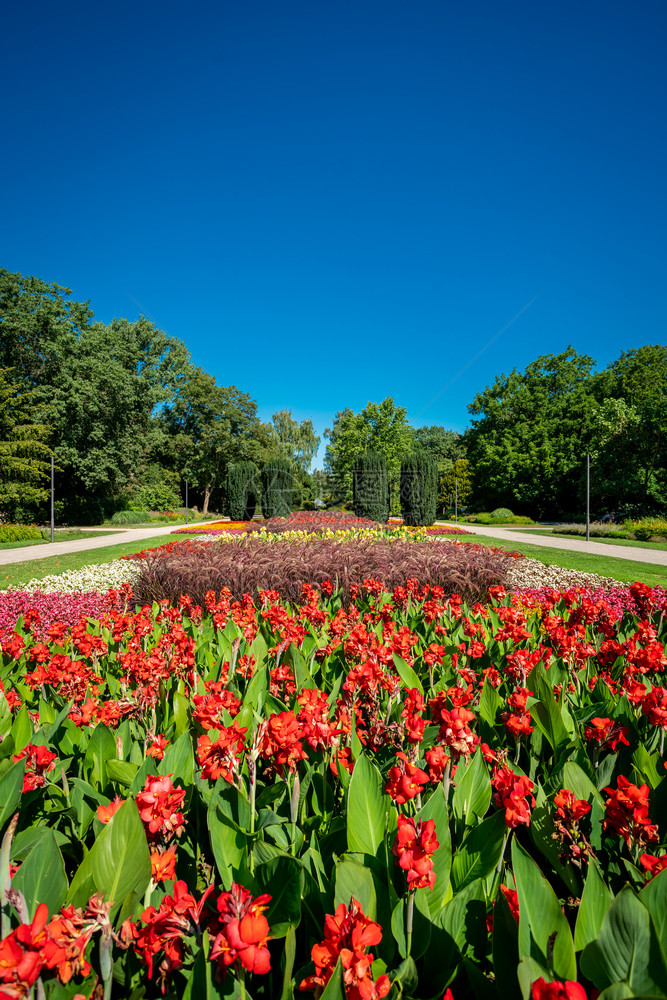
(347, 934)
(514, 793)
(413, 847)
(158, 806)
(652, 864)
(654, 707)
(606, 733)
(405, 780)
(242, 931)
(104, 813)
(221, 759)
(163, 865)
(557, 991)
(437, 761)
(569, 808)
(39, 760)
(626, 813)
(157, 747)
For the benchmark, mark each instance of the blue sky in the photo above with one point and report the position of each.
(335, 202)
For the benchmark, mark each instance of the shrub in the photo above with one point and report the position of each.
(242, 486)
(156, 496)
(277, 480)
(19, 533)
(597, 530)
(370, 486)
(647, 528)
(246, 564)
(131, 517)
(419, 489)
(501, 512)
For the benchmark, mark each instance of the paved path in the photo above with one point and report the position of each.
(119, 537)
(524, 536)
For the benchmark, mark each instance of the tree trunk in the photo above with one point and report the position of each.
(207, 497)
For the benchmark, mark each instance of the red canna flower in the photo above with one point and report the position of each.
(570, 809)
(570, 990)
(405, 780)
(626, 813)
(157, 747)
(413, 847)
(163, 865)
(242, 931)
(514, 793)
(159, 804)
(437, 761)
(348, 934)
(606, 733)
(39, 760)
(654, 707)
(104, 813)
(652, 864)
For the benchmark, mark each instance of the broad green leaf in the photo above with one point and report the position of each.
(595, 901)
(505, 947)
(626, 949)
(201, 984)
(181, 713)
(334, 990)
(578, 782)
(654, 898)
(121, 771)
(41, 878)
(11, 788)
(545, 711)
(101, 748)
(281, 878)
(355, 881)
(421, 926)
(21, 730)
(302, 674)
(407, 674)
(179, 760)
(228, 844)
(118, 862)
(541, 917)
(480, 852)
(367, 808)
(472, 794)
(489, 703)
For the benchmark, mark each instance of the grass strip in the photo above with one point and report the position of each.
(624, 570)
(629, 542)
(60, 536)
(16, 574)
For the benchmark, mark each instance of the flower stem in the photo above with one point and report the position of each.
(409, 918)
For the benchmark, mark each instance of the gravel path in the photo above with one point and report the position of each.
(120, 537)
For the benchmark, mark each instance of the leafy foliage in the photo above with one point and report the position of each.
(370, 488)
(277, 488)
(242, 490)
(419, 488)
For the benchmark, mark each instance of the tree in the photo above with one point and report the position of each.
(242, 490)
(380, 427)
(298, 441)
(277, 488)
(528, 443)
(24, 465)
(444, 446)
(370, 487)
(419, 488)
(455, 485)
(211, 426)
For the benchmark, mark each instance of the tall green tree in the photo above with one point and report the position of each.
(379, 427)
(298, 441)
(24, 455)
(530, 433)
(444, 446)
(210, 427)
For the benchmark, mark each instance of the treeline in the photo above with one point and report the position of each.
(125, 413)
(129, 418)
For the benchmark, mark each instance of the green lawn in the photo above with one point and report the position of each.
(16, 574)
(60, 536)
(624, 570)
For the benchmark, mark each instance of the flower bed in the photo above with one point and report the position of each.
(411, 795)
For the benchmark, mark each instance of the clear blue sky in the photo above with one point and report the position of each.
(334, 202)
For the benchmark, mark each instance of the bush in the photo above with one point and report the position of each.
(501, 512)
(646, 529)
(19, 533)
(370, 487)
(277, 492)
(242, 486)
(131, 517)
(246, 564)
(155, 496)
(597, 530)
(419, 489)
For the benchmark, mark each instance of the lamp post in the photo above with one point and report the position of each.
(588, 496)
(53, 520)
(186, 501)
(456, 499)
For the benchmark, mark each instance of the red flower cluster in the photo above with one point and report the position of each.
(159, 804)
(242, 931)
(222, 758)
(513, 792)
(626, 813)
(405, 780)
(557, 991)
(347, 935)
(39, 760)
(606, 733)
(413, 847)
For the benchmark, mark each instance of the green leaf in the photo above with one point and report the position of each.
(21, 730)
(626, 949)
(302, 674)
(334, 990)
(11, 789)
(505, 947)
(367, 808)
(121, 771)
(472, 794)
(595, 901)
(41, 878)
(407, 674)
(355, 881)
(181, 713)
(101, 748)
(654, 898)
(541, 917)
(436, 809)
(489, 703)
(281, 878)
(480, 852)
(545, 711)
(421, 926)
(118, 862)
(228, 844)
(201, 984)
(577, 781)
(179, 760)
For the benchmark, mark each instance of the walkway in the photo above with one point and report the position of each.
(524, 536)
(120, 537)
